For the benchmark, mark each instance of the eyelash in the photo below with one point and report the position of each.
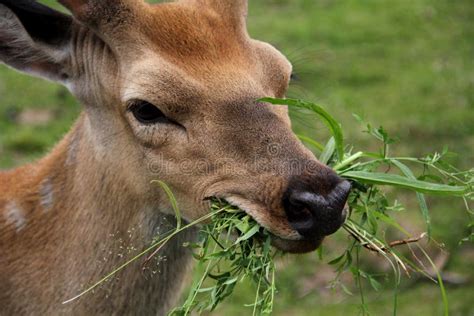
(150, 114)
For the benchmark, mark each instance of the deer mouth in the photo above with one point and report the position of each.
(284, 237)
(296, 246)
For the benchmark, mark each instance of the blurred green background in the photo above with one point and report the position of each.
(407, 65)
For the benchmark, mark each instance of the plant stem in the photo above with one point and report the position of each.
(348, 161)
(144, 252)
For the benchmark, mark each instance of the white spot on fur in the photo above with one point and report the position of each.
(46, 193)
(14, 216)
(69, 85)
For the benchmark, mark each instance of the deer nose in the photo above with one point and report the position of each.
(315, 215)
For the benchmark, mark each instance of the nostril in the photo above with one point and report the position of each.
(299, 213)
(314, 215)
(340, 193)
(301, 219)
(307, 199)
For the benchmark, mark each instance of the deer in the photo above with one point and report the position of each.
(168, 91)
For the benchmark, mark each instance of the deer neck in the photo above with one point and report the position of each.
(71, 219)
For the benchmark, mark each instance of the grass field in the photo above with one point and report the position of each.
(406, 65)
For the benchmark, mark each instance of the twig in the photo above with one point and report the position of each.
(407, 241)
(393, 244)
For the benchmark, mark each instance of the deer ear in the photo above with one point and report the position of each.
(35, 39)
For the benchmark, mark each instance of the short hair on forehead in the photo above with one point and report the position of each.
(168, 85)
(192, 32)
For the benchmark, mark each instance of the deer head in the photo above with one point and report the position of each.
(170, 92)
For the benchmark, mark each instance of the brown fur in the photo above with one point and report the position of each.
(62, 217)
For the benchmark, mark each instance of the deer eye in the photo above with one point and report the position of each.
(147, 113)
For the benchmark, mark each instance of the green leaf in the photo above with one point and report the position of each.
(174, 203)
(404, 182)
(203, 290)
(374, 283)
(243, 226)
(419, 196)
(390, 221)
(440, 282)
(346, 289)
(320, 252)
(328, 151)
(331, 123)
(249, 234)
(311, 141)
(337, 260)
(231, 281)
